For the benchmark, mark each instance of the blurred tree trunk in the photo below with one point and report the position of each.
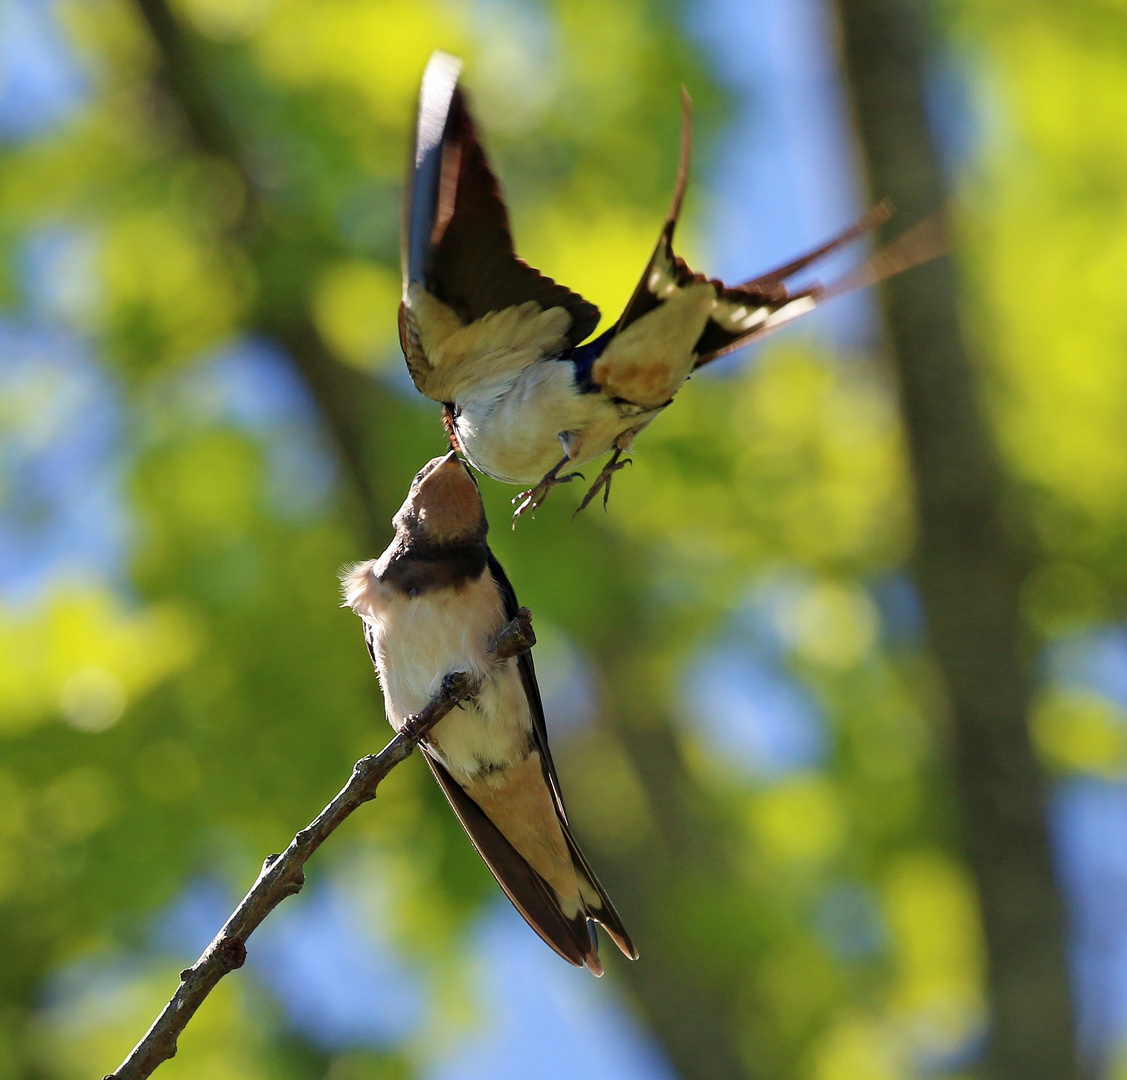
(970, 563)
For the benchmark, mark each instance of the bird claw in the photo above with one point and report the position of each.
(603, 481)
(532, 499)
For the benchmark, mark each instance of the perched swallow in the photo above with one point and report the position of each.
(433, 603)
(501, 346)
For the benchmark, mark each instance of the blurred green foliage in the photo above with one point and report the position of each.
(188, 722)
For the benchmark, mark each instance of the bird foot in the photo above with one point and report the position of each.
(531, 500)
(603, 480)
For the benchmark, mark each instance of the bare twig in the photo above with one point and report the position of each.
(283, 875)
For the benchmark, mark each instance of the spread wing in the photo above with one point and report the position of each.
(764, 303)
(456, 242)
(736, 314)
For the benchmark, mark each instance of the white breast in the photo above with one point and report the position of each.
(418, 640)
(510, 430)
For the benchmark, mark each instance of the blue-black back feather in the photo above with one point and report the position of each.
(583, 358)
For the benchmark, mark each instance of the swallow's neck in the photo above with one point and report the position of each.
(415, 566)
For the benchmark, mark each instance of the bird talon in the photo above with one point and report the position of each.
(532, 499)
(603, 480)
(529, 503)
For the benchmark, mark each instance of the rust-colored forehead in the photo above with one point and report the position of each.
(444, 501)
(449, 499)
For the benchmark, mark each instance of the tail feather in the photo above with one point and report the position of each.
(536, 901)
(925, 241)
(760, 305)
(602, 910)
(868, 221)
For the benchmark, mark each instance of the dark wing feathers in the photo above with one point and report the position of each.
(529, 893)
(667, 268)
(370, 642)
(605, 914)
(456, 240)
(763, 291)
(528, 680)
(424, 170)
(663, 260)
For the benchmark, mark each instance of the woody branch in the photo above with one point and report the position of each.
(283, 875)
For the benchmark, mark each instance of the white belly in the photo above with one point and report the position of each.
(418, 641)
(511, 431)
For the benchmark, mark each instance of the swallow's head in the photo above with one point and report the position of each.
(443, 506)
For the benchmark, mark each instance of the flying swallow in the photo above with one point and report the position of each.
(503, 347)
(433, 603)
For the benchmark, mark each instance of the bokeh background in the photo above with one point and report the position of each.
(204, 415)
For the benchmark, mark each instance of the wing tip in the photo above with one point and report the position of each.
(437, 92)
(683, 163)
(443, 69)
